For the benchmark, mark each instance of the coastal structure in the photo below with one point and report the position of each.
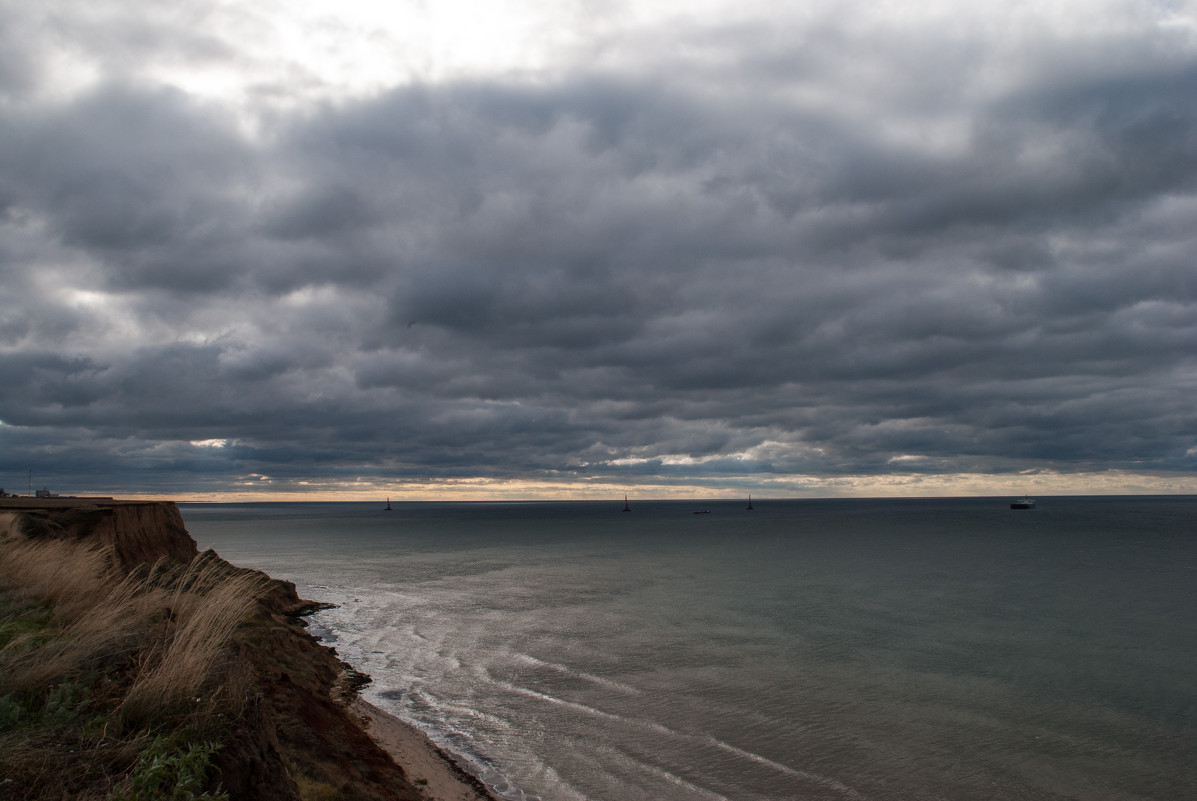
(46, 494)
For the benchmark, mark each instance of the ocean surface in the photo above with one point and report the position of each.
(817, 649)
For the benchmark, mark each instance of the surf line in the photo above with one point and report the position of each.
(656, 771)
(568, 671)
(644, 767)
(825, 781)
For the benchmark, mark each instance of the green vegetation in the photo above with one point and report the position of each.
(163, 774)
(111, 685)
(313, 790)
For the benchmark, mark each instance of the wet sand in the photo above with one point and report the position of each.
(436, 776)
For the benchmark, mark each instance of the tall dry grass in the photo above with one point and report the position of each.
(96, 663)
(95, 612)
(12, 524)
(173, 622)
(209, 600)
(66, 576)
(92, 638)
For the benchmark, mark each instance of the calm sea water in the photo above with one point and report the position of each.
(916, 649)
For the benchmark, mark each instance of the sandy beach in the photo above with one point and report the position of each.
(437, 777)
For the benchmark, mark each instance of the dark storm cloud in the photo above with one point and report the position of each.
(139, 181)
(802, 261)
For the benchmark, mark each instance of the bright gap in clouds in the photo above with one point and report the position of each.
(367, 44)
(281, 54)
(291, 52)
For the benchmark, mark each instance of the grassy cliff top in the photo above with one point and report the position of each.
(133, 667)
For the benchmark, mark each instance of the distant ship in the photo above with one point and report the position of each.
(388, 505)
(626, 508)
(1025, 503)
(749, 509)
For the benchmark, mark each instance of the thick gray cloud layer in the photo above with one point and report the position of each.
(745, 254)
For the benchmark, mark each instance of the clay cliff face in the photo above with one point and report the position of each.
(296, 737)
(139, 533)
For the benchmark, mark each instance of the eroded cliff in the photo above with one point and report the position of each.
(278, 707)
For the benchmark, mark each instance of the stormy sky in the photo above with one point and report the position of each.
(577, 249)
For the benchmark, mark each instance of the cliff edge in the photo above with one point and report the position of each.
(265, 706)
(137, 532)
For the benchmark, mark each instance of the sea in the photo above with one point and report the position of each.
(924, 649)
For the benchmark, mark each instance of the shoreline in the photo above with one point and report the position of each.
(433, 771)
(282, 712)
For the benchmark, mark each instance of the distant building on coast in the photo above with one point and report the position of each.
(43, 493)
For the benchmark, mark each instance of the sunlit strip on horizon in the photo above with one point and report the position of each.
(259, 488)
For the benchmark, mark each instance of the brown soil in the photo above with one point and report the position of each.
(296, 736)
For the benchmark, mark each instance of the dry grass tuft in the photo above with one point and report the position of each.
(207, 604)
(93, 661)
(94, 613)
(12, 525)
(66, 576)
(172, 623)
(92, 639)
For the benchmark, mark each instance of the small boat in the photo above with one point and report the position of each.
(626, 508)
(1026, 503)
(749, 509)
(388, 505)
(701, 512)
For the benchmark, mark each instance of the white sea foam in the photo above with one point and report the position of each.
(568, 671)
(851, 637)
(823, 781)
(588, 710)
(632, 764)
